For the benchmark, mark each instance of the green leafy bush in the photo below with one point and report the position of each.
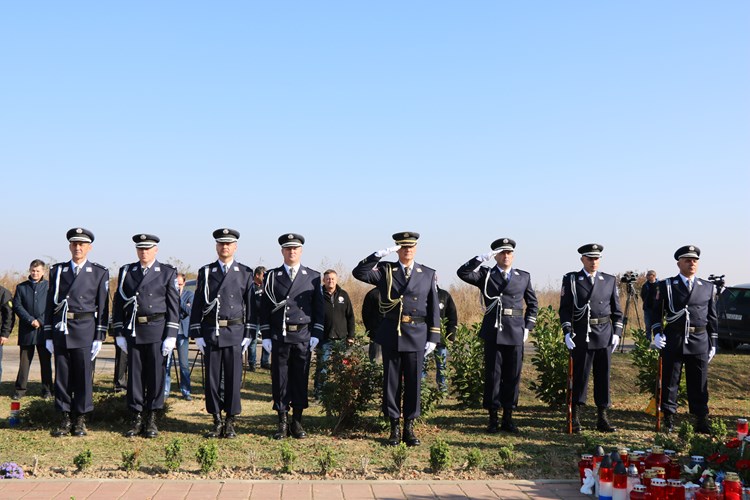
(173, 455)
(288, 458)
(83, 460)
(506, 455)
(352, 383)
(207, 455)
(550, 359)
(440, 456)
(399, 455)
(466, 366)
(647, 362)
(131, 461)
(326, 460)
(718, 429)
(430, 398)
(474, 459)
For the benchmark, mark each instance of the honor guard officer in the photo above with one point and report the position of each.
(220, 325)
(591, 320)
(409, 331)
(689, 338)
(145, 323)
(75, 324)
(505, 327)
(291, 323)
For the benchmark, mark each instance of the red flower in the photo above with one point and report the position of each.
(721, 459)
(743, 464)
(734, 443)
(712, 457)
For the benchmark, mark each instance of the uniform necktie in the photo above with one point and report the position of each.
(690, 285)
(506, 276)
(145, 271)
(407, 272)
(292, 273)
(591, 279)
(76, 269)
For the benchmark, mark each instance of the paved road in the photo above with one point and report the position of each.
(293, 490)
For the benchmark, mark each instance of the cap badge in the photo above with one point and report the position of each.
(595, 247)
(226, 231)
(79, 230)
(406, 235)
(505, 240)
(290, 237)
(143, 236)
(691, 248)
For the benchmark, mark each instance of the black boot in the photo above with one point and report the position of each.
(576, 420)
(64, 428)
(668, 422)
(493, 426)
(135, 425)
(409, 438)
(395, 438)
(602, 423)
(229, 431)
(296, 429)
(150, 430)
(79, 427)
(282, 430)
(217, 428)
(702, 426)
(508, 425)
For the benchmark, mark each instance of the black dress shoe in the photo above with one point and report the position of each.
(409, 438)
(217, 428)
(295, 429)
(282, 429)
(64, 428)
(136, 425)
(395, 438)
(602, 422)
(668, 422)
(229, 432)
(507, 423)
(493, 427)
(702, 425)
(149, 429)
(79, 427)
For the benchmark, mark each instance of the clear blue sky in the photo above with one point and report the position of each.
(553, 123)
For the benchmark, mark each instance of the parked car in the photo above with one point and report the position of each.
(733, 310)
(190, 285)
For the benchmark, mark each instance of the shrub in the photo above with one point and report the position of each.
(430, 398)
(352, 383)
(474, 459)
(173, 455)
(326, 460)
(466, 366)
(718, 429)
(288, 458)
(550, 359)
(131, 461)
(399, 454)
(83, 460)
(440, 456)
(506, 455)
(206, 456)
(686, 432)
(647, 362)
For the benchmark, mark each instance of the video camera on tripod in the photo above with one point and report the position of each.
(718, 282)
(630, 277)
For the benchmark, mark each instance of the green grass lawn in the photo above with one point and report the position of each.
(542, 450)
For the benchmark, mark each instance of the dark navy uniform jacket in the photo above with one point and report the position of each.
(146, 308)
(291, 312)
(29, 304)
(504, 318)
(669, 302)
(579, 304)
(222, 305)
(77, 306)
(412, 308)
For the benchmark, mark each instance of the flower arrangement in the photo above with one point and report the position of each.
(11, 470)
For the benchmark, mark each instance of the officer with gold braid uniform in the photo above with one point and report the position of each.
(409, 331)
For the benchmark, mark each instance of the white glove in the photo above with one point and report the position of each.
(386, 251)
(267, 345)
(167, 345)
(711, 354)
(525, 334)
(659, 341)
(428, 348)
(615, 342)
(569, 342)
(313, 343)
(487, 256)
(245, 344)
(201, 343)
(95, 348)
(122, 343)
(50, 346)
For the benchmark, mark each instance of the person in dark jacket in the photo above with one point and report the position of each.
(647, 296)
(29, 303)
(371, 317)
(338, 326)
(449, 314)
(6, 321)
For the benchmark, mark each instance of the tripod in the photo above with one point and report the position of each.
(631, 295)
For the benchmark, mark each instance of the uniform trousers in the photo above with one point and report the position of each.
(696, 379)
(121, 369)
(402, 372)
(45, 364)
(146, 368)
(502, 375)
(73, 379)
(223, 363)
(290, 370)
(583, 361)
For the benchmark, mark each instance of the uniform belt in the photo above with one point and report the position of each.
(414, 320)
(600, 321)
(697, 329)
(225, 322)
(143, 320)
(295, 328)
(512, 312)
(71, 315)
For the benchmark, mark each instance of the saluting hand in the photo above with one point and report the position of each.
(487, 256)
(386, 251)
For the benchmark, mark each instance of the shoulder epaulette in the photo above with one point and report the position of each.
(96, 264)
(170, 266)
